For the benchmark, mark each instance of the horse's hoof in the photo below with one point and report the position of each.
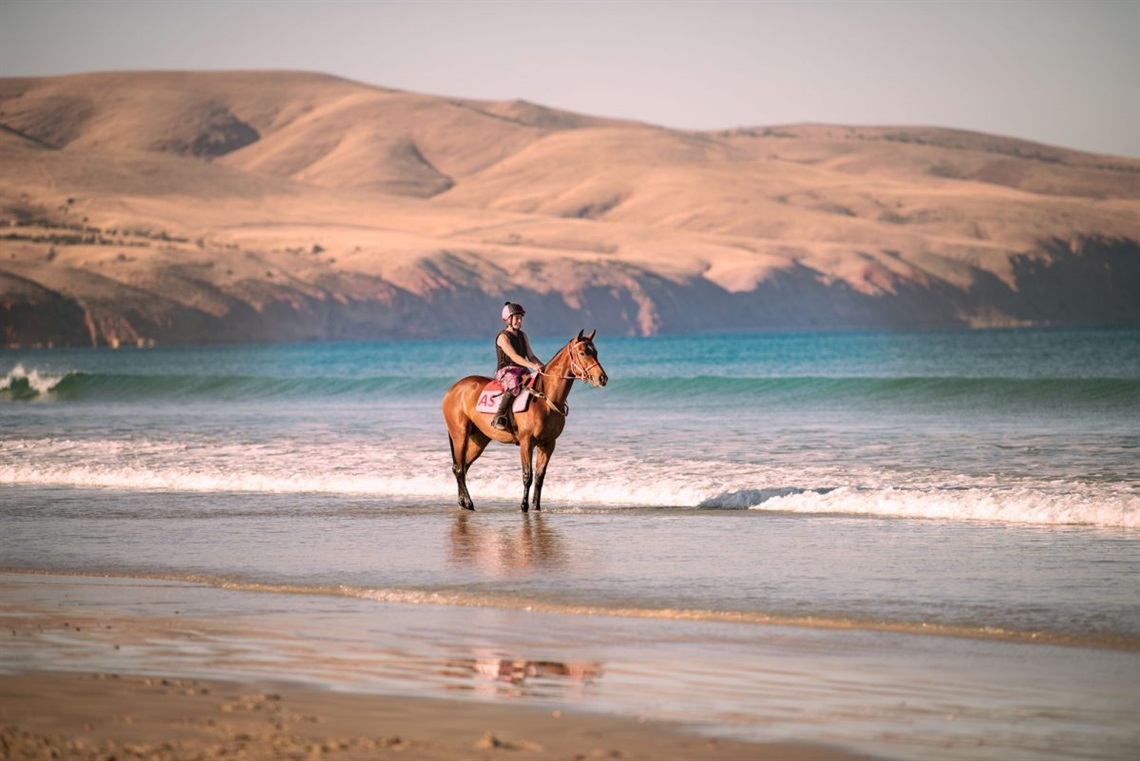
(524, 508)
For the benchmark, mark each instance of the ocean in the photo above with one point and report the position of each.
(839, 536)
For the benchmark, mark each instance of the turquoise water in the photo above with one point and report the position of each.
(1034, 427)
(922, 485)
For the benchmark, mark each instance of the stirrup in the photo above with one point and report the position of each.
(501, 423)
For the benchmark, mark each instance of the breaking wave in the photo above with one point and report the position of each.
(1057, 504)
(21, 384)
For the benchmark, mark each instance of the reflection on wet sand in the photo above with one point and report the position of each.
(503, 549)
(521, 678)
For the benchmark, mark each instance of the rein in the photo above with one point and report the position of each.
(577, 373)
(564, 410)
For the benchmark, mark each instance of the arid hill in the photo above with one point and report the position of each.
(178, 207)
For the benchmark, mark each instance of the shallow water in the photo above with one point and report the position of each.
(896, 491)
(1038, 427)
(1065, 584)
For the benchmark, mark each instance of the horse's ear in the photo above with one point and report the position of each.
(580, 332)
(592, 334)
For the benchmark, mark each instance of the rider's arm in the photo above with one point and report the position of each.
(531, 355)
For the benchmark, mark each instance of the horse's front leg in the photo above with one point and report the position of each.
(465, 500)
(540, 463)
(526, 451)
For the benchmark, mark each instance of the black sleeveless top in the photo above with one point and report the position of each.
(518, 343)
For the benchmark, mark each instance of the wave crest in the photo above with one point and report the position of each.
(23, 385)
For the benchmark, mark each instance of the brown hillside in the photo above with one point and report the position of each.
(182, 206)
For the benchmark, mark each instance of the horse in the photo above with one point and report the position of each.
(536, 429)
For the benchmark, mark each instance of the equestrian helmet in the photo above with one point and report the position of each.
(510, 309)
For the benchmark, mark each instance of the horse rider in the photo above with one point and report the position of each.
(512, 349)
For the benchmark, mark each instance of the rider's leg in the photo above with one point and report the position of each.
(502, 415)
(511, 381)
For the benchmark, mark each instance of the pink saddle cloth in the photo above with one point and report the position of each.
(489, 399)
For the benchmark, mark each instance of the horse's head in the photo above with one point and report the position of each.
(584, 362)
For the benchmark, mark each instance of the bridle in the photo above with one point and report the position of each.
(577, 371)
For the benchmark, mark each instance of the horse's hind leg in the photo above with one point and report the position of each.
(459, 465)
(465, 449)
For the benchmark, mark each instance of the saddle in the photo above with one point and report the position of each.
(489, 397)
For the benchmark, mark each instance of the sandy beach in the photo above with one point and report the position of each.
(49, 714)
(101, 716)
(105, 667)
(55, 707)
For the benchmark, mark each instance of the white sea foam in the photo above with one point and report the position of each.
(152, 467)
(419, 470)
(1057, 505)
(41, 383)
(175, 480)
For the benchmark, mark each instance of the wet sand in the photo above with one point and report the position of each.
(95, 667)
(84, 716)
(101, 668)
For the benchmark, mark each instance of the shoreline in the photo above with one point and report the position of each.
(82, 652)
(1056, 639)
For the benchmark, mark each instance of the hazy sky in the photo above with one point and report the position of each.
(1062, 73)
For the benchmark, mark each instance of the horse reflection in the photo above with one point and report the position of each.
(521, 678)
(505, 549)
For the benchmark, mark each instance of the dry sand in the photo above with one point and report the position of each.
(106, 716)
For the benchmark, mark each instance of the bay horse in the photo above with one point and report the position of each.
(536, 429)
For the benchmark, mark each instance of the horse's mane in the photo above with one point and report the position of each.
(540, 380)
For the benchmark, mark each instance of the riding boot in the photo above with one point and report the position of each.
(502, 419)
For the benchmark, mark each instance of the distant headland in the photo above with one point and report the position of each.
(158, 208)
